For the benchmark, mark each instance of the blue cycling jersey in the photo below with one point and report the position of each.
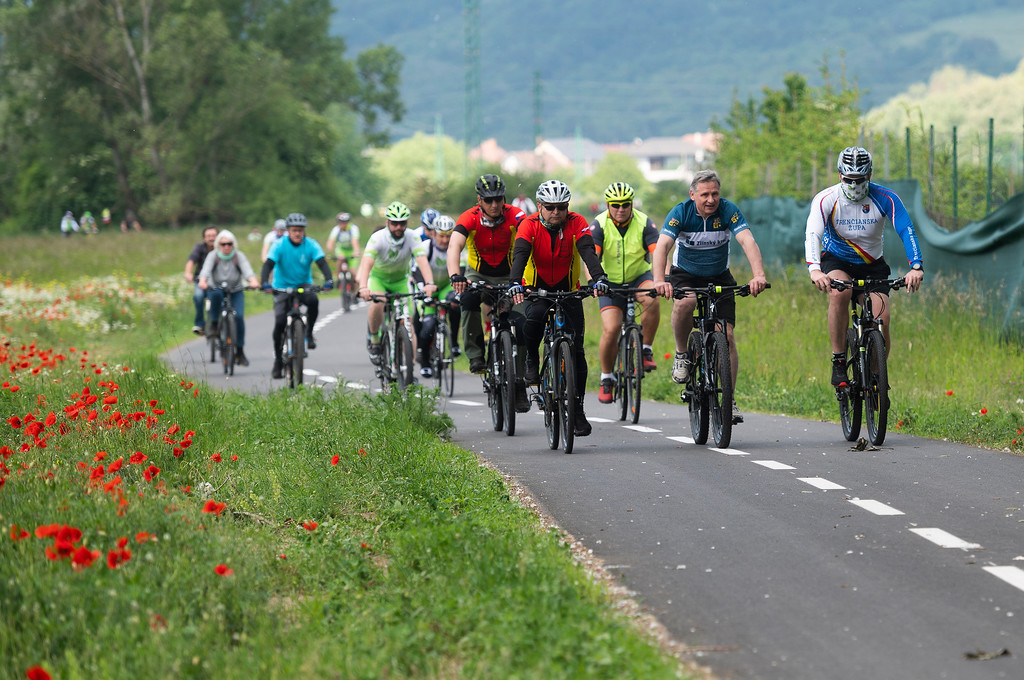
(293, 263)
(702, 243)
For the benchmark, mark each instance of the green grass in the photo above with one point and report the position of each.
(420, 563)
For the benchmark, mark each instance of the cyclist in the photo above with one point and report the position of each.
(486, 231)
(844, 241)
(272, 236)
(343, 241)
(385, 269)
(193, 264)
(548, 248)
(624, 239)
(701, 230)
(228, 264)
(426, 229)
(426, 320)
(290, 260)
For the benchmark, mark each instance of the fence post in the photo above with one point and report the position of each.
(988, 191)
(931, 166)
(956, 222)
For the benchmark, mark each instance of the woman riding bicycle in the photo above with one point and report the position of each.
(546, 256)
(426, 320)
(228, 264)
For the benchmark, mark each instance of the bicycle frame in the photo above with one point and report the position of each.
(501, 352)
(294, 350)
(629, 370)
(397, 362)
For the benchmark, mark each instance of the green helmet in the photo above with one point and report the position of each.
(618, 192)
(397, 212)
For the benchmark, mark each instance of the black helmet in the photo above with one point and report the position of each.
(296, 220)
(490, 186)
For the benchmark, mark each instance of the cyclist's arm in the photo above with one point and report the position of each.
(423, 267)
(357, 247)
(454, 258)
(268, 267)
(661, 251)
(758, 282)
(813, 236)
(363, 275)
(325, 269)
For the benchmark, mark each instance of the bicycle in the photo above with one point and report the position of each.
(868, 390)
(442, 361)
(629, 361)
(346, 284)
(709, 389)
(294, 351)
(227, 335)
(396, 363)
(499, 376)
(557, 391)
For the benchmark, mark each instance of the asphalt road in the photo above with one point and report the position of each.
(788, 556)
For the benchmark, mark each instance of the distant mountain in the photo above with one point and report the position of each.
(621, 70)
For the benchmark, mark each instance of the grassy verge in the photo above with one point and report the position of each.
(156, 528)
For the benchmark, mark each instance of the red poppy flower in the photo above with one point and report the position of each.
(310, 526)
(949, 393)
(47, 530)
(111, 486)
(335, 459)
(362, 452)
(213, 507)
(37, 673)
(14, 421)
(151, 472)
(18, 534)
(110, 399)
(83, 557)
(215, 458)
(51, 418)
(984, 411)
(143, 536)
(69, 534)
(115, 466)
(138, 458)
(223, 570)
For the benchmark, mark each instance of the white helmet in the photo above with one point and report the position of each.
(854, 165)
(443, 224)
(280, 225)
(553, 191)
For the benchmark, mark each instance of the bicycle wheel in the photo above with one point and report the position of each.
(403, 357)
(492, 385)
(345, 286)
(634, 374)
(214, 342)
(228, 337)
(565, 382)
(298, 336)
(851, 399)
(548, 386)
(384, 370)
(508, 380)
(698, 399)
(620, 392)
(720, 389)
(876, 388)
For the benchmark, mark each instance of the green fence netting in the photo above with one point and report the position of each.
(988, 253)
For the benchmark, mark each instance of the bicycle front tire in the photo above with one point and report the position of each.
(507, 382)
(565, 391)
(298, 336)
(698, 401)
(634, 374)
(385, 361)
(229, 336)
(403, 357)
(876, 387)
(719, 383)
(851, 399)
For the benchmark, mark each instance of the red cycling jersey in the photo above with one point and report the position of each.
(553, 262)
(489, 249)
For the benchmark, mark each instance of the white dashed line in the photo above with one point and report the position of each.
(1012, 575)
(639, 428)
(773, 464)
(598, 419)
(465, 402)
(944, 539)
(729, 452)
(876, 507)
(681, 440)
(821, 483)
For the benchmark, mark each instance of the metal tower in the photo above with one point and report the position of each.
(471, 32)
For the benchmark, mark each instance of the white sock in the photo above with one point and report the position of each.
(608, 376)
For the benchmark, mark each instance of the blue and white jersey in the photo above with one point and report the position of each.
(702, 243)
(852, 230)
(293, 263)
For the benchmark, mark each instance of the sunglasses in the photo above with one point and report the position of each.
(554, 207)
(493, 199)
(227, 243)
(624, 204)
(854, 181)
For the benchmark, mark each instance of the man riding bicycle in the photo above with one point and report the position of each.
(385, 269)
(548, 248)
(844, 241)
(290, 261)
(437, 258)
(486, 231)
(701, 230)
(624, 239)
(343, 241)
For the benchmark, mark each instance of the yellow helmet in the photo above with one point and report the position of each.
(618, 192)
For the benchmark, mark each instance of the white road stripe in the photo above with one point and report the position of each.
(598, 419)
(465, 402)
(773, 464)
(638, 428)
(821, 483)
(944, 539)
(876, 507)
(328, 378)
(1012, 575)
(729, 452)
(681, 440)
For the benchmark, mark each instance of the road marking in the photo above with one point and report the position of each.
(357, 385)
(1012, 575)
(597, 419)
(637, 428)
(944, 539)
(328, 378)
(876, 507)
(464, 402)
(773, 465)
(730, 452)
(681, 440)
(310, 371)
(821, 483)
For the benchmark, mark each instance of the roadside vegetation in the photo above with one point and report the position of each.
(206, 534)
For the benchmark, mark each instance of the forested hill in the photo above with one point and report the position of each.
(623, 69)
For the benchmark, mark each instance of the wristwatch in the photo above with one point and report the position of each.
(917, 267)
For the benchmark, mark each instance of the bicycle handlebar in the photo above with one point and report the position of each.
(844, 284)
(714, 289)
(297, 289)
(625, 292)
(541, 294)
(385, 297)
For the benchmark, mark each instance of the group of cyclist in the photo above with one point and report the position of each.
(498, 243)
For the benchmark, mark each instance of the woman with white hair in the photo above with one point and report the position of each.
(227, 264)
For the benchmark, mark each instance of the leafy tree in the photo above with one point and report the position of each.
(614, 167)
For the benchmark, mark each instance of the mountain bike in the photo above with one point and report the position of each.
(346, 284)
(499, 376)
(397, 359)
(294, 351)
(227, 335)
(442, 361)
(709, 390)
(557, 391)
(629, 361)
(867, 390)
